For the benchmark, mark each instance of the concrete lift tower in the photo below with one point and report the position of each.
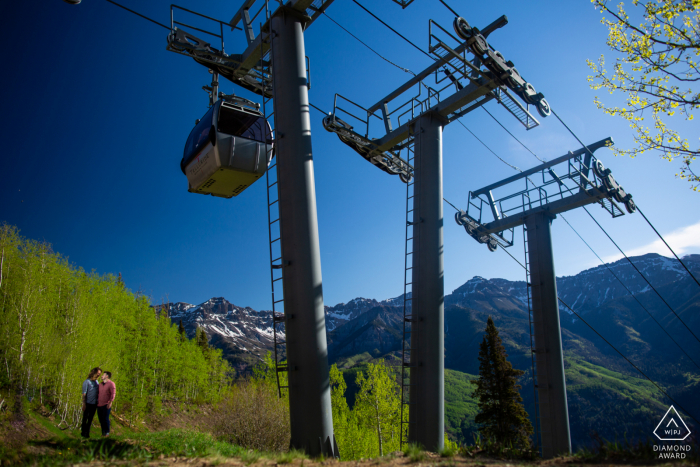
(491, 220)
(280, 42)
(468, 73)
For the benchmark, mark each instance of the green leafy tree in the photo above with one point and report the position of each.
(57, 322)
(501, 416)
(656, 68)
(378, 404)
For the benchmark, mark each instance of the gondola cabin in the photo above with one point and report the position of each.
(228, 150)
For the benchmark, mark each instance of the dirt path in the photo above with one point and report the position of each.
(395, 460)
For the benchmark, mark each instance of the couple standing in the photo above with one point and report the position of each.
(97, 397)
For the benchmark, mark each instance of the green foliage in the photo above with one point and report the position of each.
(460, 406)
(501, 416)
(57, 322)
(414, 452)
(655, 68)
(450, 448)
(371, 427)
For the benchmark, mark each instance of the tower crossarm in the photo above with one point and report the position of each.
(580, 179)
(250, 69)
(590, 196)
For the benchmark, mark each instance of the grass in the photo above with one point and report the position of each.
(184, 443)
(492, 448)
(138, 447)
(414, 452)
(625, 451)
(291, 456)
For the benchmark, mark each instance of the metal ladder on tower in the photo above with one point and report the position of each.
(277, 262)
(407, 301)
(528, 287)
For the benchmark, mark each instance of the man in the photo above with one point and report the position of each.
(90, 393)
(108, 392)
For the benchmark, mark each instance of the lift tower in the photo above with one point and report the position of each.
(274, 65)
(546, 194)
(468, 73)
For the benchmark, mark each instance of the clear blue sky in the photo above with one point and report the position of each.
(95, 113)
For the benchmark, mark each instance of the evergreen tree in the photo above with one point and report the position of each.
(501, 416)
(202, 339)
(181, 330)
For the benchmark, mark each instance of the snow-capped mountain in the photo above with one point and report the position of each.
(363, 324)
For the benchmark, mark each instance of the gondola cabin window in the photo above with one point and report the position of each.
(199, 137)
(235, 122)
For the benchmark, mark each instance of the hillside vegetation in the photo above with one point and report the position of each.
(58, 321)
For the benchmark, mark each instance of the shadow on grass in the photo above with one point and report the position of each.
(70, 451)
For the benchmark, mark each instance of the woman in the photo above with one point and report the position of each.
(108, 392)
(90, 393)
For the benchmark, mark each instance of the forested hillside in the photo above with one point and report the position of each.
(58, 321)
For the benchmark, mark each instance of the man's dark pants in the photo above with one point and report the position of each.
(103, 415)
(88, 415)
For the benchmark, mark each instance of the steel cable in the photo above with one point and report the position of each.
(139, 14)
(370, 48)
(394, 30)
(669, 247)
(642, 275)
(630, 292)
(613, 347)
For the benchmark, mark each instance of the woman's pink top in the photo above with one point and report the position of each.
(108, 392)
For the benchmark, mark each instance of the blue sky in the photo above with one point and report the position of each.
(95, 113)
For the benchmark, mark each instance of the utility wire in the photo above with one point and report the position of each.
(628, 360)
(394, 30)
(139, 14)
(630, 292)
(370, 48)
(669, 247)
(642, 275)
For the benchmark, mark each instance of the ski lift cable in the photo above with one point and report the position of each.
(631, 294)
(628, 360)
(139, 14)
(640, 212)
(613, 241)
(370, 48)
(394, 30)
(612, 346)
(642, 275)
(491, 150)
(324, 113)
(511, 134)
(669, 247)
(449, 8)
(579, 235)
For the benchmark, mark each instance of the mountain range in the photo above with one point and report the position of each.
(607, 396)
